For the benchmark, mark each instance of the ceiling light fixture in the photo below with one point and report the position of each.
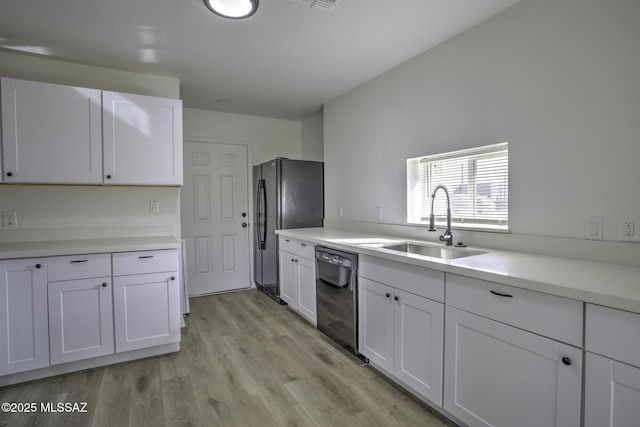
(233, 9)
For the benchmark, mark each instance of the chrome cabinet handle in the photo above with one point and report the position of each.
(104, 285)
(388, 294)
(396, 298)
(500, 294)
(567, 361)
(38, 266)
(79, 261)
(145, 256)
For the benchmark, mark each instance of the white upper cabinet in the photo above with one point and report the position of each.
(51, 133)
(55, 134)
(142, 139)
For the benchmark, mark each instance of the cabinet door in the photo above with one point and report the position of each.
(375, 331)
(146, 310)
(80, 319)
(288, 287)
(51, 133)
(24, 331)
(418, 343)
(612, 393)
(306, 279)
(142, 139)
(497, 375)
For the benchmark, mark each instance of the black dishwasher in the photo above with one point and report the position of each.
(337, 296)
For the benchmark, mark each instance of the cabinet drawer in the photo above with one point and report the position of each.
(555, 317)
(125, 263)
(78, 267)
(613, 333)
(410, 278)
(297, 247)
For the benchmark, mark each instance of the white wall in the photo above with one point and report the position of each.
(558, 79)
(267, 138)
(52, 212)
(313, 138)
(33, 67)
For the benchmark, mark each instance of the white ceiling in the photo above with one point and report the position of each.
(285, 61)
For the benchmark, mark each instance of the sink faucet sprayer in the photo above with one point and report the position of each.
(447, 237)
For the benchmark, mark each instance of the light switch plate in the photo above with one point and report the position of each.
(593, 228)
(154, 207)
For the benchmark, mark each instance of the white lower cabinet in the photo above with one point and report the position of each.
(297, 275)
(146, 305)
(80, 307)
(401, 332)
(501, 376)
(612, 377)
(80, 319)
(24, 337)
(612, 393)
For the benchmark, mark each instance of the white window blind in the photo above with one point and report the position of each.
(478, 183)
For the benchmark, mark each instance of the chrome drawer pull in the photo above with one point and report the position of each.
(79, 261)
(145, 256)
(501, 294)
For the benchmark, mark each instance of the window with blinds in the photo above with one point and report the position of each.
(478, 183)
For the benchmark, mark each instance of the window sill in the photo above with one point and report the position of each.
(465, 227)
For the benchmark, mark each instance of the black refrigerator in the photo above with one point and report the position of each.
(288, 194)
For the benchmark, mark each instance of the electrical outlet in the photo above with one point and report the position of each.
(340, 211)
(9, 219)
(154, 207)
(628, 228)
(378, 214)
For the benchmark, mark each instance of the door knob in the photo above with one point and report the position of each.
(244, 214)
(245, 225)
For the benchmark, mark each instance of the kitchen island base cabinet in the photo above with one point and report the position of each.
(402, 334)
(501, 376)
(24, 331)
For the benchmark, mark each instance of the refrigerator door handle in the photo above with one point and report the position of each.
(261, 215)
(263, 205)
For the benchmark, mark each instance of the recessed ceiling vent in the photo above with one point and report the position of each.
(327, 5)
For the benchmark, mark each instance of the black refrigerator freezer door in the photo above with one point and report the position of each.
(301, 202)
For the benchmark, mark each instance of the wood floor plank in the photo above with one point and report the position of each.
(244, 361)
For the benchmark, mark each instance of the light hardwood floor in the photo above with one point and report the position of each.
(244, 361)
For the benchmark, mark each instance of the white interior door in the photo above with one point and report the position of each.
(215, 217)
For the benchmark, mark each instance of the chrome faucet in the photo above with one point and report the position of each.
(447, 237)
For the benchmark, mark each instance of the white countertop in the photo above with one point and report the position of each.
(15, 250)
(611, 285)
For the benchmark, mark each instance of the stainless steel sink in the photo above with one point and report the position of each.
(432, 251)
